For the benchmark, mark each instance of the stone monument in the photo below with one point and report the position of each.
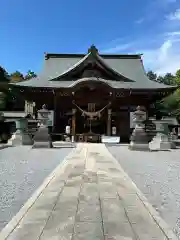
(139, 138)
(162, 139)
(21, 136)
(42, 138)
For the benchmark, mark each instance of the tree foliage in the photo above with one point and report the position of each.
(4, 80)
(178, 77)
(170, 105)
(16, 76)
(169, 79)
(30, 74)
(8, 97)
(3, 75)
(151, 75)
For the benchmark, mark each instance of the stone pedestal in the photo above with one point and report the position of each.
(21, 136)
(42, 138)
(139, 138)
(161, 141)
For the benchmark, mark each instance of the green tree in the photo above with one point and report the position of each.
(171, 104)
(169, 79)
(160, 79)
(151, 75)
(3, 75)
(30, 75)
(177, 77)
(4, 80)
(16, 76)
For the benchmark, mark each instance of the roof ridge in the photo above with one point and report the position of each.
(74, 55)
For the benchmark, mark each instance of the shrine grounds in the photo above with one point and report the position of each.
(156, 174)
(22, 171)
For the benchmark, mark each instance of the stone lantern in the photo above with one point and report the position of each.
(162, 139)
(43, 116)
(139, 138)
(42, 138)
(21, 136)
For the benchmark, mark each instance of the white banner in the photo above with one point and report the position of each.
(132, 125)
(51, 118)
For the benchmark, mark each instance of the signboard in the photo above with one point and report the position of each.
(132, 124)
(114, 130)
(50, 118)
(110, 139)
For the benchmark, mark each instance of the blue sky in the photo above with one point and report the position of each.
(30, 28)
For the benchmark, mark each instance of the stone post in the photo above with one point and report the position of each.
(109, 123)
(73, 124)
(139, 138)
(42, 138)
(21, 136)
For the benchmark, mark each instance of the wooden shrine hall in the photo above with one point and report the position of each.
(95, 94)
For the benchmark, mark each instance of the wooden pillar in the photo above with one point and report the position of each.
(109, 122)
(55, 110)
(73, 124)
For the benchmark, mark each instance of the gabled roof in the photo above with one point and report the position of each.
(127, 71)
(92, 57)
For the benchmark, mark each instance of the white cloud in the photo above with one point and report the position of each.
(175, 15)
(161, 56)
(160, 48)
(139, 21)
(171, 1)
(117, 48)
(176, 33)
(164, 59)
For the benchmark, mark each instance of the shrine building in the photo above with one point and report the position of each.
(93, 93)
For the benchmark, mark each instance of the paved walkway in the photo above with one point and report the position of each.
(89, 197)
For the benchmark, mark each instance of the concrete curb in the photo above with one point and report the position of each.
(9, 228)
(166, 229)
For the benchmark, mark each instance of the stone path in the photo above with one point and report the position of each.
(90, 197)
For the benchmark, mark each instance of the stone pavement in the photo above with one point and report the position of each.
(91, 197)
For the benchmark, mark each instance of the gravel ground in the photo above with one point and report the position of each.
(22, 171)
(157, 175)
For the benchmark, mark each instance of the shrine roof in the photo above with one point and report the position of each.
(128, 70)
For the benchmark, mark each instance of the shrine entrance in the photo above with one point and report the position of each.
(91, 123)
(91, 101)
